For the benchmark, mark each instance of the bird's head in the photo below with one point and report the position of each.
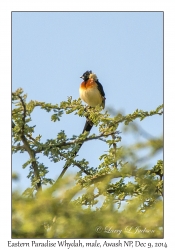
(86, 75)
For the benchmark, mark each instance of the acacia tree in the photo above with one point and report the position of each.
(118, 180)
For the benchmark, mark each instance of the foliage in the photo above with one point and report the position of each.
(120, 198)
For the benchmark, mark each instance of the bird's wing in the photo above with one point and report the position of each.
(100, 88)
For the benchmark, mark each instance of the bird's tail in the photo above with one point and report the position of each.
(88, 125)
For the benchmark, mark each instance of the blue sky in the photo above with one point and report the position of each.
(51, 50)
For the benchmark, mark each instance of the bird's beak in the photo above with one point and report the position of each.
(81, 77)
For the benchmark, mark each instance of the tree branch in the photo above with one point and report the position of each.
(27, 147)
(80, 144)
(24, 114)
(64, 144)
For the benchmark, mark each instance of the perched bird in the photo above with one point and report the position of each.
(91, 92)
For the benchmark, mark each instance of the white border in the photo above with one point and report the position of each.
(5, 99)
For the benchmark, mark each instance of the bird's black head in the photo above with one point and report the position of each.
(85, 76)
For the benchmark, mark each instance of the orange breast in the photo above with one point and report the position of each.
(90, 83)
(90, 94)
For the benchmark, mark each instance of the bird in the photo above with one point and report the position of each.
(91, 92)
